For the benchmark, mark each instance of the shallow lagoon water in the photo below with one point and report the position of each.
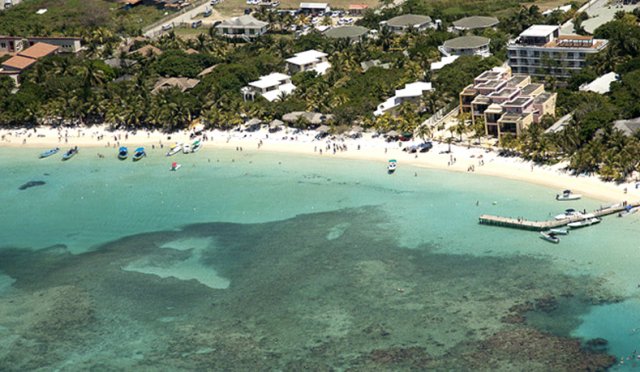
(294, 248)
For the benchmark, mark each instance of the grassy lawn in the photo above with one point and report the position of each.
(188, 33)
(73, 16)
(236, 7)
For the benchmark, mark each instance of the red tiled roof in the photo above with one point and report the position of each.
(39, 50)
(358, 6)
(19, 62)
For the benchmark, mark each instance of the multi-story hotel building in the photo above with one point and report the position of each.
(540, 50)
(507, 103)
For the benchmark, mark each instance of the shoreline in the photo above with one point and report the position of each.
(461, 159)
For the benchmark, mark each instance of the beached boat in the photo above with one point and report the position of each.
(186, 149)
(48, 153)
(550, 237)
(174, 149)
(123, 153)
(567, 214)
(567, 195)
(139, 154)
(175, 166)
(391, 167)
(588, 221)
(69, 154)
(196, 145)
(559, 231)
(628, 210)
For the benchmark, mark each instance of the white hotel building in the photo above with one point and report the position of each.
(540, 50)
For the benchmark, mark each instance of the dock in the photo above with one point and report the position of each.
(524, 224)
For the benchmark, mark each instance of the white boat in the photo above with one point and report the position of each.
(175, 166)
(196, 145)
(583, 223)
(174, 149)
(186, 149)
(558, 231)
(567, 195)
(568, 213)
(391, 167)
(550, 237)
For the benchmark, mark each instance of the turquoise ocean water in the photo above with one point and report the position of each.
(260, 260)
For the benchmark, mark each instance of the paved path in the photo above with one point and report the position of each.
(178, 18)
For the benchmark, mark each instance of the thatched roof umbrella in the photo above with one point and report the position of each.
(393, 133)
(253, 121)
(323, 129)
(292, 117)
(276, 123)
(356, 129)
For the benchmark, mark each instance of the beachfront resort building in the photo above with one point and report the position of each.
(310, 60)
(406, 22)
(183, 84)
(272, 87)
(410, 93)
(14, 44)
(506, 103)
(245, 27)
(540, 50)
(474, 23)
(26, 58)
(470, 45)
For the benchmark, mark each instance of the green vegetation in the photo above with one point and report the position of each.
(75, 17)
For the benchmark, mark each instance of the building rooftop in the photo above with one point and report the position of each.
(600, 85)
(350, 32)
(146, 50)
(475, 22)
(358, 6)
(467, 42)
(18, 62)
(518, 101)
(539, 31)
(510, 117)
(491, 84)
(504, 92)
(39, 50)
(245, 21)
(628, 127)
(517, 80)
(306, 57)
(413, 89)
(314, 6)
(284, 89)
(271, 80)
(409, 20)
(543, 97)
(529, 89)
(443, 62)
(183, 84)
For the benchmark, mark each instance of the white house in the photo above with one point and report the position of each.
(600, 85)
(271, 87)
(310, 60)
(244, 27)
(411, 92)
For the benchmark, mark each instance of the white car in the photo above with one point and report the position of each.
(167, 27)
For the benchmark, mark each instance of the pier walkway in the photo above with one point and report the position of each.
(524, 224)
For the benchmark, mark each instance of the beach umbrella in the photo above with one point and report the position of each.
(276, 123)
(393, 133)
(292, 116)
(253, 121)
(323, 129)
(356, 129)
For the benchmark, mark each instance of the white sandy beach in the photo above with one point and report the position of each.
(460, 159)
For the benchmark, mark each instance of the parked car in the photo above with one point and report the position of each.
(196, 24)
(208, 12)
(425, 146)
(167, 27)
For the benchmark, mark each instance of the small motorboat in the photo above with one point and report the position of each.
(48, 153)
(628, 210)
(69, 154)
(174, 149)
(567, 195)
(139, 154)
(123, 153)
(588, 221)
(175, 166)
(550, 237)
(558, 231)
(568, 213)
(186, 149)
(196, 145)
(391, 167)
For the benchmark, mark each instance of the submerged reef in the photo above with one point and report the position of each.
(322, 291)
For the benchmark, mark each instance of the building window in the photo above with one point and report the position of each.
(252, 31)
(536, 54)
(570, 55)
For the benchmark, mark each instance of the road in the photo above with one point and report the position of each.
(177, 19)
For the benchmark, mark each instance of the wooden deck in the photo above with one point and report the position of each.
(524, 224)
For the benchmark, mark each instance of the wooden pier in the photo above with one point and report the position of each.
(524, 224)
